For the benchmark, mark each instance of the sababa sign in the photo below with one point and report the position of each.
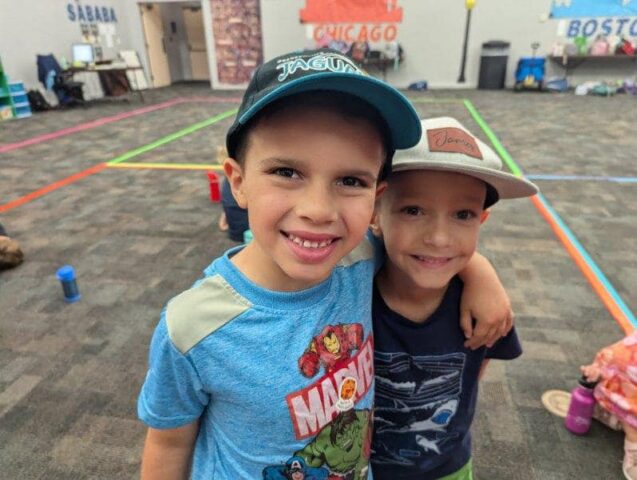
(90, 13)
(353, 20)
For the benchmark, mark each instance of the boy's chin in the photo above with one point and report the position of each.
(437, 283)
(310, 276)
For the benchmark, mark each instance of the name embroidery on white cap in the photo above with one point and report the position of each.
(453, 140)
(320, 63)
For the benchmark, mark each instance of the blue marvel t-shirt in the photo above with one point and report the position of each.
(426, 390)
(281, 382)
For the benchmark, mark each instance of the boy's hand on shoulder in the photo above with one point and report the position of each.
(487, 330)
(485, 300)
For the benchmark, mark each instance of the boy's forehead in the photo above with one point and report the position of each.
(426, 174)
(318, 128)
(418, 182)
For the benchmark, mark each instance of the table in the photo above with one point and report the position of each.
(114, 80)
(571, 62)
(381, 63)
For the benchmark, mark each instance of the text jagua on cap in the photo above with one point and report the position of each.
(321, 62)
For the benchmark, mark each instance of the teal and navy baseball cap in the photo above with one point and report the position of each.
(325, 70)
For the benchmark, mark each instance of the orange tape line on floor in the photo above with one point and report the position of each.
(606, 299)
(53, 186)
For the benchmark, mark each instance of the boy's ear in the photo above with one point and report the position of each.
(484, 216)
(234, 173)
(380, 189)
(375, 226)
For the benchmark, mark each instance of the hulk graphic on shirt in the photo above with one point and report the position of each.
(343, 446)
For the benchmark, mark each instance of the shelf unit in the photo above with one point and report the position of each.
(6, 102)
(20, 100)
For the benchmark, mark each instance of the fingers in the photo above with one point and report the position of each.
(466, 323)
(591, 372)
(507, 325)
(487, 334)
(483, 334)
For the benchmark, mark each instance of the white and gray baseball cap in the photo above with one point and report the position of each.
(448, 146)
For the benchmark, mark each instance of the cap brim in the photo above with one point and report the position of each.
(397, 111)
(506, 184)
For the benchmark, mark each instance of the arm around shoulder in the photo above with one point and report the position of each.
(485, 299)
(168, 453)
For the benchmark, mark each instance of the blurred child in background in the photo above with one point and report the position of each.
(615, 367)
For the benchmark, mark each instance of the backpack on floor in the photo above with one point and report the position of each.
(37, 101)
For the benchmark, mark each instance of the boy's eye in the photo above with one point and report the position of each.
(284, 172)
(413, 211)
(352, 182)
(465, 215)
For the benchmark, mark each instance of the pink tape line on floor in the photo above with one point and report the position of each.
(8, 147)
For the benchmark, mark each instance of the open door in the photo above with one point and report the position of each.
(193, 20)
(155, 46)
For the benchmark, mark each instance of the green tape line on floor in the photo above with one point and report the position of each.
(171, 137)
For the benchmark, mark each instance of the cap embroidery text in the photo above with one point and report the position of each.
(317, 63)
(453, 140)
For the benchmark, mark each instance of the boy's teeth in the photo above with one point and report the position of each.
(309, 244)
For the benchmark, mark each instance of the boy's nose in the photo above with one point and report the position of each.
(317, 205)
(437, 233)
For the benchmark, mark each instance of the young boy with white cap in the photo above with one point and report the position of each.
(426, 379)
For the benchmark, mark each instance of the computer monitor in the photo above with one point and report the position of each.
(83, 53)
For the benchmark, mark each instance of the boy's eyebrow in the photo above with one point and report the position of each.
(297, 164)
(472, 198)
(408, 199)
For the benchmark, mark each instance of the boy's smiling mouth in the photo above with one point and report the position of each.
(432, 261)
(311, 248)
(309, 243)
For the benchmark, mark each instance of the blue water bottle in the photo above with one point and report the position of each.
(66, 275)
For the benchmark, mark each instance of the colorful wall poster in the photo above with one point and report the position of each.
(238, 43)
(352, 21)
(593, 8)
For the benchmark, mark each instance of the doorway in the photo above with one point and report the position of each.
(155, 41)
(198, 53)
(175, 42)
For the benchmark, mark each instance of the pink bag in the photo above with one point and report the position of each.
(600, 47)
(617, 391)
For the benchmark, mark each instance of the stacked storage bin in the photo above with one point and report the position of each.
(20, 100)
(6, 105)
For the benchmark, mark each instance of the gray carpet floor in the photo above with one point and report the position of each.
(70, 374)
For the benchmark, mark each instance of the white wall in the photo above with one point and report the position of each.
(432, 32)
(32, 27)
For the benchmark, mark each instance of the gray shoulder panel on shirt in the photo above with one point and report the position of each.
(364, 251)
(200, 311)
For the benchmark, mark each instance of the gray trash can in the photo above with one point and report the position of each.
(493, 65)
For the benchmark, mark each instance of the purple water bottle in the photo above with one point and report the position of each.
(580, 410)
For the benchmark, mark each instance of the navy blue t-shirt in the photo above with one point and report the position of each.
(426, 390)
(236, 216)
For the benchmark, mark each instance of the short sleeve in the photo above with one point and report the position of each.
(172, 394)
(507, 348)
